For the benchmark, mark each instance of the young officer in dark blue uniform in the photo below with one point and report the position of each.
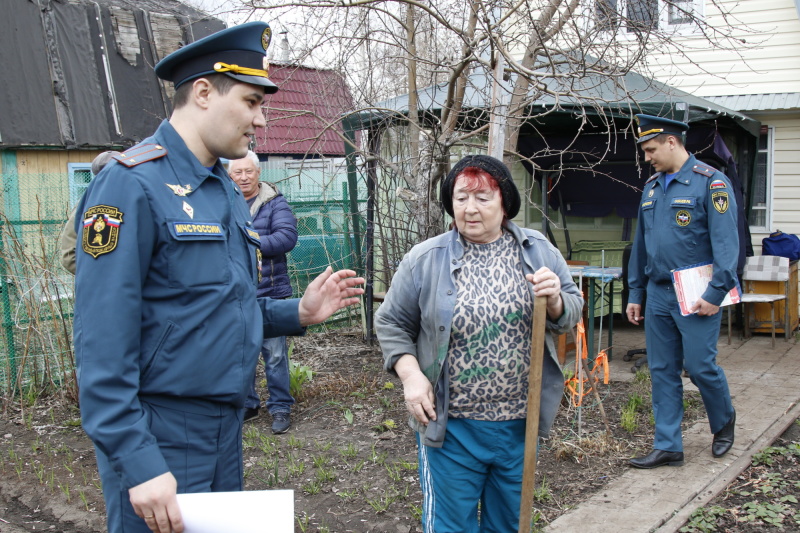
(687, 216)
(167, 324)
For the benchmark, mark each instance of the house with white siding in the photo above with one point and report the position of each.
(761, 80)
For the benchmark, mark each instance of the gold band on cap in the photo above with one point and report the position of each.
(654, 130)
(236, 69)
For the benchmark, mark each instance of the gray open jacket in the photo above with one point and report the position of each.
(417, 314)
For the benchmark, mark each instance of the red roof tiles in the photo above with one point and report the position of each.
(303, 117)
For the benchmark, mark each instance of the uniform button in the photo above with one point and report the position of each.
(248, 223)
(454, 261)
(441, 328)
(449, 292)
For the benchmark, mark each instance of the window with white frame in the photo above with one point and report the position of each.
(648, 15)
(80, 175)
(680, 12)
(760, 206)
(641, 15)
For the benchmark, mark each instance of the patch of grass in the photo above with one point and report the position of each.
(408, 465)
(542, 492)
(347, 494)
(294, 443)
(325, 475)
(320, 461)
(323, 446)
(704, 520)
(770, 454)
(303, 522)
(394, 473)
(348, 451)
(629, 419)
(381, 504)
(766, 512)
(312, 487)
(642, 377)
(416, 511)
(66, 490)
(294, 467)
(378, 457)
(386, 425)
(82, 496)
(299, 376)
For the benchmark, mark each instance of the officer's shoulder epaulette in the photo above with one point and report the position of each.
(651, 178)
(141, 153)
(705, 170)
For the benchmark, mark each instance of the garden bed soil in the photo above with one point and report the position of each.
(349, 456)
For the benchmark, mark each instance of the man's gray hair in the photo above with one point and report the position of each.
(253, 157)
(102, 160)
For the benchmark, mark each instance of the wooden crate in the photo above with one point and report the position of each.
(760, 313)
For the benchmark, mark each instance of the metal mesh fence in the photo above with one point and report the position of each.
(36, 301)
(321, 201)
(35, 292)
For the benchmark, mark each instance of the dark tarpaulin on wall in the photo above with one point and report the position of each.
(600, 175)
(580, 184)
(26, 106)
(80, 73)
(85, 87)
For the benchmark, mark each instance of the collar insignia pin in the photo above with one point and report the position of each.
(180, 190)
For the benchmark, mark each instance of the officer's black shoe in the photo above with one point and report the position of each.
(280, 423)
(723, 439)
(658, 458)
(250, 413)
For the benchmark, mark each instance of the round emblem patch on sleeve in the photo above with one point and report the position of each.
(683, 217)
(720, 201)
(101, 229)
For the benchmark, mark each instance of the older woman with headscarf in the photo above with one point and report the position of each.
(456, 328)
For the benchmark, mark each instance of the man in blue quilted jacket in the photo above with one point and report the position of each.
(277, 228)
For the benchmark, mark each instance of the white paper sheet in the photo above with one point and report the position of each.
(255, 511)
(692, 281)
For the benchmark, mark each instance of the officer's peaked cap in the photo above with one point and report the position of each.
(651, 126)
(495, 168)
(238, 52)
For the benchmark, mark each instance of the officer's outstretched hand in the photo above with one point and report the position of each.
(156, 503)
(329, 292)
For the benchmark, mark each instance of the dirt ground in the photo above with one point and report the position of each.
(349, 457)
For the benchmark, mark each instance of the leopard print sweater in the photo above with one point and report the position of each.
(489, 352)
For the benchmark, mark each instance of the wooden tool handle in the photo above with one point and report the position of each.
(532, 419)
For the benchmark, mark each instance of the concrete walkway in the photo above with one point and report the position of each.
(765, 386)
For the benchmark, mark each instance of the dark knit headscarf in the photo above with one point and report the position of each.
(495, 168)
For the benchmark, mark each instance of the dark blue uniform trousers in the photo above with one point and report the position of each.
(675, 342)
(202, 444)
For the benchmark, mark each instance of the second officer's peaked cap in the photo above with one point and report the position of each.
(238, 52)
(651, 126)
